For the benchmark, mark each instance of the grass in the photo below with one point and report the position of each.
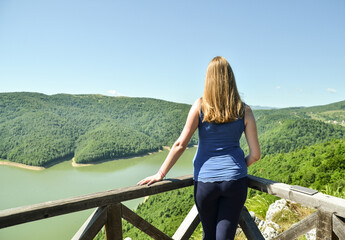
(259, 204)
(336, 192)
(286, 218)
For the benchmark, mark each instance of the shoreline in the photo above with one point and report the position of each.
(74, 164)
(21, 165)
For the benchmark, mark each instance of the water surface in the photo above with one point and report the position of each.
(20, 187)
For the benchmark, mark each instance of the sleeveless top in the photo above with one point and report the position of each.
(219, 156)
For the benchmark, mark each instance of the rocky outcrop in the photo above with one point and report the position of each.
(270, 229)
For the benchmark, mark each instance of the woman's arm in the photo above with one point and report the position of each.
(179, 146)
(252, 137)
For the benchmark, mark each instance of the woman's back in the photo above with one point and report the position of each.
(219, 156)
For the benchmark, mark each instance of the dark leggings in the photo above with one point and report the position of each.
(219, 205)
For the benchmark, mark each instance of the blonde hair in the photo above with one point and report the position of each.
(221, 101)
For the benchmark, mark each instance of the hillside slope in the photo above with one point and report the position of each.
(288, 129)
(36, 129)
(314, 166)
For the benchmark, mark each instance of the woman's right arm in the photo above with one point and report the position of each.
(179, 146)
(251, 134)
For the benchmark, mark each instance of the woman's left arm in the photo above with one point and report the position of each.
(179, 146)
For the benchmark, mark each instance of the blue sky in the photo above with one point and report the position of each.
(283, 53)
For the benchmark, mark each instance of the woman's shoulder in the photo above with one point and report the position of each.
(197, 103)
(247, 108)
(196, 107)
(248, 113)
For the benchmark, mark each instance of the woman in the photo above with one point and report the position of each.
(220, 167)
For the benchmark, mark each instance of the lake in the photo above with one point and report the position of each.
(20, 187)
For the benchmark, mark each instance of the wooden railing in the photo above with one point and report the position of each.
(328, 219)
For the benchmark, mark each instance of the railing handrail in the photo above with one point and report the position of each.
(14, 216)
(19, 215)
(316, 200)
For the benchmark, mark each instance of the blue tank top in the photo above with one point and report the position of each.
(219, 156)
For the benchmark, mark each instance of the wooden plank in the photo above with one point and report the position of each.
(35, 212)
(319, 201)
(249, 227)
(300, 228)
(188, 225)
(143, 225)
(113, 225)
(92, 225)
(324, 230)
(338, 227)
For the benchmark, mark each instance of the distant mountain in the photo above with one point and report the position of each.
(257, 107)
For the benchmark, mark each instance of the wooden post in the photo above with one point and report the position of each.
(324, 226)
(248, 226)
(143, 225)
(338, 227)
(300, 228)
(92, 225)
(189, 224)
(113, 226)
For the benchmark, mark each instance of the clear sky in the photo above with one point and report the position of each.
(283, 53)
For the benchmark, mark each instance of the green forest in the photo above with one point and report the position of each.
(40, 130)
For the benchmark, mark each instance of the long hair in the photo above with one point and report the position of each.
(221, 101)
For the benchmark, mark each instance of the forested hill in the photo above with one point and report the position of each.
(288, 129)
(37, 129)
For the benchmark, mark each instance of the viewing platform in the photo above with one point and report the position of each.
(328, 219)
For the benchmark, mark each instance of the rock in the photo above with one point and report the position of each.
(269, 229)
(261, 225)
(275, 207)
(311, 235)
(274, 225)
(269, 233)
(257, 221)
(252, 214)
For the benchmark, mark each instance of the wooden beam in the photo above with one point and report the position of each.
(92, 225)
(113, 225)
(188, 226)
(249, 227)
(338, 227)
(35, 212)
(143, 225)
(300, 228)
(324, 228)
(323, 202)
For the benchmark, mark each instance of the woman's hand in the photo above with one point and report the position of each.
(151, 179)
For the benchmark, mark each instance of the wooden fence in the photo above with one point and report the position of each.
(328, 219)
